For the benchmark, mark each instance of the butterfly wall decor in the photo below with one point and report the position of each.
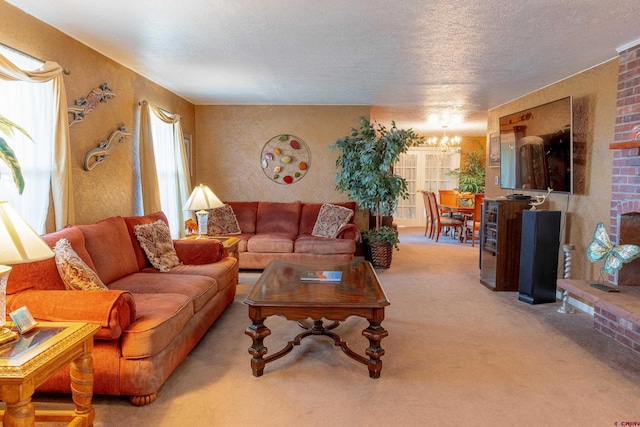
(614, 256)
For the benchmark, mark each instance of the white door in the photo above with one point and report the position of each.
(424, 168)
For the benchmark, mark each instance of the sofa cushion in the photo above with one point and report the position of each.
(44, 274)
(199, 289)
(155, 239)
(159, 319)
(271, 242)
(225, 272)
(131, 222)
(244, 241)
(310, 211)
(276, 217)
(110, 247)
(331, 219)
(222, 221)
(246, 213)
(75, 273)
(308, 244)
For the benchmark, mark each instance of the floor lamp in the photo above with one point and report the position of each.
(20, 244)
(201, 200)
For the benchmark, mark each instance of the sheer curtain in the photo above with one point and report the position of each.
(30, 113)
(163, 166)
(38, 103)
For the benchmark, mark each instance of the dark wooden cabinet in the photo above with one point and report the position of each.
(500, 235)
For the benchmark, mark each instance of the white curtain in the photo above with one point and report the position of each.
(163, 165)
(52, 116)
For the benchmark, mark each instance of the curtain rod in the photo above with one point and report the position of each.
(160, 108)
(19, 52)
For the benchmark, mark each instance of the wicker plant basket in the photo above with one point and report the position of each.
(380, 254)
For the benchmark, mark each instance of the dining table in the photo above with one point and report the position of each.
(457, 209)
(464, 211)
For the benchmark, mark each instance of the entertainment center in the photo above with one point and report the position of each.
(500, 234)
(518, 246)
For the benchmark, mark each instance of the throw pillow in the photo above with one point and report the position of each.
(75, 273)
(155, 240)
(331, 219)
(222, 220)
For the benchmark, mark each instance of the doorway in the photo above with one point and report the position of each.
(424, 168)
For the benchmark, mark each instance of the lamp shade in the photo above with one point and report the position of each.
(19, 242)
(202, 198)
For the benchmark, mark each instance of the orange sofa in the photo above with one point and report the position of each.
(282, 230)
(149, 320)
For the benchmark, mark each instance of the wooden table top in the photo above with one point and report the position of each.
(455, 209)
(280, 285)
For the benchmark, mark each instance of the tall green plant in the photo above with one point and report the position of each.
(7, 154)
(365, 166)
(471, 175)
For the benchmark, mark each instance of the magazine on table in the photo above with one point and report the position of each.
(321, 276)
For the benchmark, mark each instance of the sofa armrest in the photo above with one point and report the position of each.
(201, 251)
(350, 231)
(113, 310)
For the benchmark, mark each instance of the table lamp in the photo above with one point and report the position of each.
(201, 200)
(19, 244)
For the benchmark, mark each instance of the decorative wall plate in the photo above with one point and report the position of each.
(285, 159)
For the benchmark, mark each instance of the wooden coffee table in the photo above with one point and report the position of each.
(280, 291)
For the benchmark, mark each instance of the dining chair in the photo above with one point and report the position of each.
(472, 221)
(440, 221)
(448, 198)
(428, 230)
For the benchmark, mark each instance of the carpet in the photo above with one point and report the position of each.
(457, 354)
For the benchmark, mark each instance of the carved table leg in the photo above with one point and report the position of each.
(82, 383)
(258, 332)
(374, 333)
(19, 414)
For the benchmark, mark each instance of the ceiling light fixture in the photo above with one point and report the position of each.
(444, 144)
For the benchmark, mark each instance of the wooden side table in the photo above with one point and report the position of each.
(36, 356)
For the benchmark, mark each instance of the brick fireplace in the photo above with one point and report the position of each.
(625, 189)
(617, 315)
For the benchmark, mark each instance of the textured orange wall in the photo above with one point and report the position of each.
(594, 116)
(112, 187)
(229, 142)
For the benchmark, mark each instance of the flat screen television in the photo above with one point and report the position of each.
(536, 148)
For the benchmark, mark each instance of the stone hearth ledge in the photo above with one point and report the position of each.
(615, 314)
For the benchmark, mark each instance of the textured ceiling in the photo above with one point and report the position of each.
(457, 57)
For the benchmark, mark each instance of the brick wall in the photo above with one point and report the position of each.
(625, 191)
(620, 325)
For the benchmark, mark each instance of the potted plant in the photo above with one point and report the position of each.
(365, 172)
(471, 174)
(6, 153)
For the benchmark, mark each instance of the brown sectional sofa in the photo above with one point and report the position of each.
(149, 320)
(282, 230)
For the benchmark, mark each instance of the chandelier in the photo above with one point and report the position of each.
(444, 144)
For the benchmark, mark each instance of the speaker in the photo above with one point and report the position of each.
(539, 247)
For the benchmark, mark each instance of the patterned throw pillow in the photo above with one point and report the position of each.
(75, 273)
(331, 219)
(155, 240)
(222, 220)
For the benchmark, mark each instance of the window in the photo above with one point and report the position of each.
(29, 105)
(163, 149)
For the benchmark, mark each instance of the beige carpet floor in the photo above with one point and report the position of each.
(457, 354)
